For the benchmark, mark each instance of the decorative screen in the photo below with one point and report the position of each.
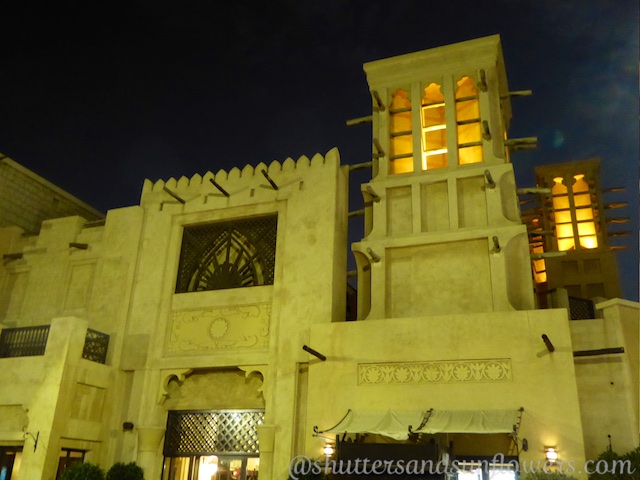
(240, 253)
(191, 433)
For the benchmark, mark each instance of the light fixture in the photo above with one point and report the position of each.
(328, 449)
(551, 454)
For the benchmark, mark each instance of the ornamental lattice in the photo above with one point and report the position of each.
(192, 433)
(241, 253)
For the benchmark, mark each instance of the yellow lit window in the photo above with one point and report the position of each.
(468, 122)
(580, 214)
(434, 128)
(564, 225)
(539, 266)
(401, 156)
(537, 246)
(563, 216)
(584, 215)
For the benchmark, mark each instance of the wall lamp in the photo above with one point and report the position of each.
(329, 449)
(551, 454)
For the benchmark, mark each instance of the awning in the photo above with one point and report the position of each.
(398, 424)
(470, 421)
(393, 424)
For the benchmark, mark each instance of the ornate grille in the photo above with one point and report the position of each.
(191, 433)
(581, 309)
(23, 342)
(234, 254)
(96, 345)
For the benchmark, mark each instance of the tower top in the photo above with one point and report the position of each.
(476, 53)
(440, 108)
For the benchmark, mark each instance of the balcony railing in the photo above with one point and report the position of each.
(23, 342)
(96, 345)
(32, 341)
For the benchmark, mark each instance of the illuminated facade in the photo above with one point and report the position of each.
(202, 333)
(571, 221)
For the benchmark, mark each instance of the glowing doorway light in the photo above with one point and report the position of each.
(208, 467)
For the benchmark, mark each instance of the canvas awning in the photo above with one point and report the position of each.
(471, 421)
(399, 424)
(393, 424)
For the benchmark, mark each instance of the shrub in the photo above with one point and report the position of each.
(618, 466)
(128, 471)
(82, 471)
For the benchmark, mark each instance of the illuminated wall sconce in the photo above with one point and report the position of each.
(328, 449)
(551, 454)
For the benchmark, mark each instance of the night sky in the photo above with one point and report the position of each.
(97, 96)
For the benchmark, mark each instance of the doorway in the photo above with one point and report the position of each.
(211, 467)
(10, 459)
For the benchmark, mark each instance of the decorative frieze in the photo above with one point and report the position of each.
(445, 371)
(203, 331)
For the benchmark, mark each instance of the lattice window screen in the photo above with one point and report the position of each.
(235, 254)
(191, 433)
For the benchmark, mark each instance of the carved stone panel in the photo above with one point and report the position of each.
(203, 331)
(447, 371)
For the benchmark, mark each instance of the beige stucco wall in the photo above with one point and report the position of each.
(266, 326)
(530, 376)
(58, 398)
(608, 384)
(54, 279)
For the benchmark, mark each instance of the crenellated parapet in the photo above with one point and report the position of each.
(240, 186)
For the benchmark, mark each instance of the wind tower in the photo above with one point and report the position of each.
(443, 232)
(571, 224)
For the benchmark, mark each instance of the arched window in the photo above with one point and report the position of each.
(584, 213)
(468, 122)
(579, 215)
(227, 255)
(562, 215)
(434, 128)
(401, 156)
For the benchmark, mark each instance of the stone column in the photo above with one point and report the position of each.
(149, 439)
(266, 437)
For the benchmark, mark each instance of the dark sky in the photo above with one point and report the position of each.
(97, 96)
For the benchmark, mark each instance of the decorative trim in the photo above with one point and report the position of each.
(263, 370)
(445, 371)
(203, 331)
(168, 375)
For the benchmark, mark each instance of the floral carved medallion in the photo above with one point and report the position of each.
(202, 331)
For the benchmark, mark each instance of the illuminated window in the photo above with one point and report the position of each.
(573, 214)
(434, 128)
(212, 445)
(584, 213)
(537, 246)
(468, 122)
(401, 156)
(484, 470)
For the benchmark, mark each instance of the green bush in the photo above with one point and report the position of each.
(82, 471)
(618, 466)
(634, 457)
(122, 471)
